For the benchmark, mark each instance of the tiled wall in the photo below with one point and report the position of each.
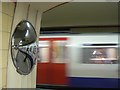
(5, 29)
(0, 46)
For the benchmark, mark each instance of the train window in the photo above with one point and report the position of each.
(59, 51)
(101, 55)
(43, 56)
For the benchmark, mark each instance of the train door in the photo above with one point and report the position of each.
(52, 66)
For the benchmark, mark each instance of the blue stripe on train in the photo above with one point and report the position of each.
(93, 82)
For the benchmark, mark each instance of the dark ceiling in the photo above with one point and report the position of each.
(82, 14)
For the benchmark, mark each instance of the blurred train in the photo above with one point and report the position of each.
(80, 60)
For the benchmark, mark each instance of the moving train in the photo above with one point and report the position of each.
(80, 60)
